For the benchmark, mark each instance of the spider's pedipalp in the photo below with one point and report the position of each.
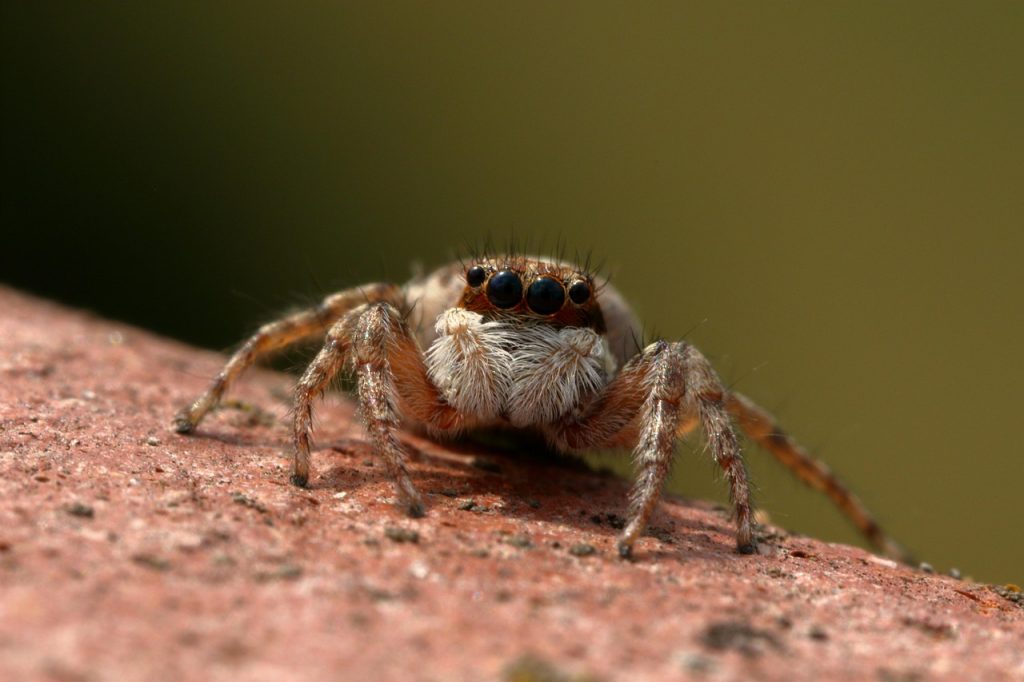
(470, 362)
(556, 371)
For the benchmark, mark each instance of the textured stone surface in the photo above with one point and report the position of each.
(129, 552)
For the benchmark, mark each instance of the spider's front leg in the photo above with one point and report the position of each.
(655, 396)
(390, 372)
(275, 336)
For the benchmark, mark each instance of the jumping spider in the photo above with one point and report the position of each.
(528, 343)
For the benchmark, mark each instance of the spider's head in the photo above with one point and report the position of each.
(524, 344)
(533, 290)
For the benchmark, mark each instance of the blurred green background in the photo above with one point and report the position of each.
(827, 196)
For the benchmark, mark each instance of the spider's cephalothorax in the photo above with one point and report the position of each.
(527, 343)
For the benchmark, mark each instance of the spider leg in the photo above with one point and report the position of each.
(710, 395)
(275, 336)
(761, 427)
(390, 372)
(668, 387)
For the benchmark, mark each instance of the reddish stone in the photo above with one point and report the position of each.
(129, 552)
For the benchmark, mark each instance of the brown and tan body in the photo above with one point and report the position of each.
(529, 343)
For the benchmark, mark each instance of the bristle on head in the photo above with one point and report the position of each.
(548, 305)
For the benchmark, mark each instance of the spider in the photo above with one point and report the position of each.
(531, 343)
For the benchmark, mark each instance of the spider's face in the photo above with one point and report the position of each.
(532, 291)
(524, 343)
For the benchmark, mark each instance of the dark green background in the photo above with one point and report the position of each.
(831, 193)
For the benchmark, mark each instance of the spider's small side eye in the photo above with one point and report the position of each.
(579, 292)
(545, 296)
(505, 289)
(475, 276)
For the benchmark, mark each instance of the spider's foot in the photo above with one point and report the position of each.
(895, 551)
(409, 497)
(183, 423)
(629, 536)
(301, 481)
(747, 547)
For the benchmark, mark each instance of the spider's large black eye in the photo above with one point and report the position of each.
(579, 292)
(475, 276)
(545, 296)
(505, 289)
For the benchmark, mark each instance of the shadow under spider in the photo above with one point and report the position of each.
(574, 495)
(511, 465)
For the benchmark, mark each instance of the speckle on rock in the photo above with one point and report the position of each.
(932, 628)
(661, 534)
(737, 636)
(486, 464)
(520, 541)
(615, 521)
(250, 502)
(80, 509)
(582, 549)
(152, 561)
(818, 633)
(286, 571)
(1010, 592)
(399, 534)
(530, 668)
(695, 662)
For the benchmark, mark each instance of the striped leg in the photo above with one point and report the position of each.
(761, 427)
(275, 336)
(390, 372)
(706, 389)
(668, 387)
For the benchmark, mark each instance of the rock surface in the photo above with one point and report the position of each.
(128, 552)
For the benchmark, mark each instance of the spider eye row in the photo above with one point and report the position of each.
(545, 295)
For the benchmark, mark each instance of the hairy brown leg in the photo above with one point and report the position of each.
(390, 372)
(762, 428)
(327, 364)
(664, 389)
(275, 336)
(709, 394)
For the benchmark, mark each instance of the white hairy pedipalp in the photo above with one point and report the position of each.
(530, 374)
(470, 363)
(554, 372)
